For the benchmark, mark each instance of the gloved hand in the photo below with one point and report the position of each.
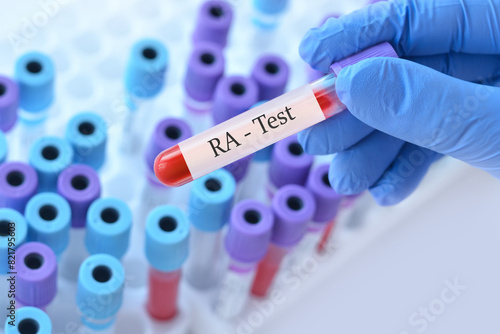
(403, 115)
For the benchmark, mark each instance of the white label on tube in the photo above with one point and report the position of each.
(233, 293)
(251, 131)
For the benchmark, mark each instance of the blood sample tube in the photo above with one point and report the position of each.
(270, 72)
(36, 267)
(18, 183)
(28, 320)
(167, 246)
(9, 103)
(246, 244)
(213, 22)
(267, 13)
(49, 156)
(209, 207)
(257, 128)
(49, 220)
(99, 296)
(293, 206)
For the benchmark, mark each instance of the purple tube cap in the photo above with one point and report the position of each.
(293, 206)
(289, 163)
(205, 68)
(233, 95)
(9, 103)
(167, 133)
(36, 268)
(380, 50)
(270, 72)
(327, 200)
(249, 231)
(18, 183)
(213, 22)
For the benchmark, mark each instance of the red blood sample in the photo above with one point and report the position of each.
(171, 168)
(267, 269)
(162, 295)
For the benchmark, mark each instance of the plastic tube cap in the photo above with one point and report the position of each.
(211, 199)
(49, 219)
(12, 223)
(233, 95)
(80, 186)
(4, 148)
(213, 22)
(293, 206)
(101, 276)
(327, 200)
(109, 221)
(167, 233)
(146, 68)
(289, 163)
(36, 268)
(87, 133)
(270, 7)
(18, 183)
(35, 75)
(49, 156)
(167, 133)
(29, 320)
(205, 68)
(249, 231)
(270, 72)
(9, 103)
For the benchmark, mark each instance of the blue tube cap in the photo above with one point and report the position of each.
(147, 65)
(29, 320)
(270, 7)
(35, 75)
(13, 231)
(167, 233)
(87, 133)
(109, 221)
(101, 277)
(49, 156)
(4, 148)
(211, 199)
(49, 220)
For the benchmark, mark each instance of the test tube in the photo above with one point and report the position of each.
(293, 206)
(49, 156)
(36, 267)
(109, 221)
(288, 155)
(246, 243)
(213, 22)
(87, 134)
(101, 280)
(259, 127)
(9, 103)
(233, 95)
(209, 208)
(270, 72)
(4, 148)
(27, 320)
(49, 220)
(167, 246)
(267, 13)
(18, 183)
(80, 186)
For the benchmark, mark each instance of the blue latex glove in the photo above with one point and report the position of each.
(403, 115)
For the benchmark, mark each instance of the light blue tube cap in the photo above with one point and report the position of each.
(211, 199)
(49, 220)
(109, 221)
(87, 133)
(167, 233)
(49, 156)
(4, 147)
(101, 277)
(8, 218)
(29, 320)
(35, 75)
(270, 7)
(147, 65)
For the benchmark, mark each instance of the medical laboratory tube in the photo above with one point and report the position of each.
(167, 247)
(271, 73)
(257, 128)
(293, 206)
(246, 243)
(4, 148)
(210, 204)
(18, 183)
(28, 320)
(49, 156)
(109, 221)
(267, 13)
(213, 22)
(9, 103)
(99, 296)
(36, 267)
(49, 221)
